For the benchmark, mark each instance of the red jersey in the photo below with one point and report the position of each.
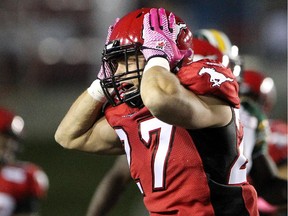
(188, 172)
(277, 141)
(25, 183)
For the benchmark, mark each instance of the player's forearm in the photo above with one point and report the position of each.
(108, 192)
(77, 123)
(158, 86)
(163, 94)
(102, 200)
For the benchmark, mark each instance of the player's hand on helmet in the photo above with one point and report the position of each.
(110, 29)
(160, 34)
(107, 70)
(95, 89)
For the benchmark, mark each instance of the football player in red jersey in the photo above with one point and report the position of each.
(176, 120)
(115, 180)
(22, 184)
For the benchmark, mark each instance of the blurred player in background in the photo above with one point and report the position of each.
(261, 90)
(22, 184)
(258, 96)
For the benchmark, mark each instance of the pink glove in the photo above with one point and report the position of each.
(110, 29)
(160, 36)
(104, 73)
(107, 70)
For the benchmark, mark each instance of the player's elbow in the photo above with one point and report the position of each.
(60, 139)
(63, 140)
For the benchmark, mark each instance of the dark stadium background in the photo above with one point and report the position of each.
(50, 52)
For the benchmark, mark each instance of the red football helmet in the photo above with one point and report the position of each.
(259, 87)
(126, 40)
(10, 124)
(203, 49)
(222, 42)
(11, 128)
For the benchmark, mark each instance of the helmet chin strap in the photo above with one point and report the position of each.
(135, 101)
(177, 67)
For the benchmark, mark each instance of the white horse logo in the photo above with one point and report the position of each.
(215, 77)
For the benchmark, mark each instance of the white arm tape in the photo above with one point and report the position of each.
(96, 91)
(157, 61)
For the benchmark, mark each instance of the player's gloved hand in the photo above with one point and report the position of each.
(107, 71)
(95, 89)
(160, 34)
(110, 29)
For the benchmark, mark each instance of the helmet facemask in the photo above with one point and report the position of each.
(126, 40)
(118, 88)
